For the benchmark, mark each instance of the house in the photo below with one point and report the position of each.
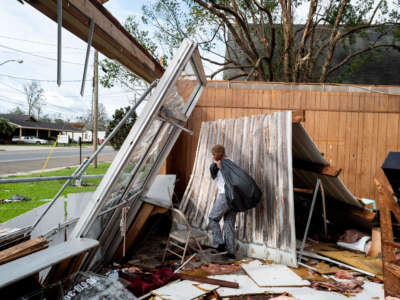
(29, 126)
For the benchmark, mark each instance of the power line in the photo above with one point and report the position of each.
(39, 56)
(53, 107)
(41, 80)
(72, 96)
(38, 42)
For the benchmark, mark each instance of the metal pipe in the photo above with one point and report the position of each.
(78, 172)
(303, 242)
(55, 198)
(121, 123)
(89, 45)
(324, 211)
(59, 40)
(50, 178)
(333, 261)
(74, 220)
(173, 123)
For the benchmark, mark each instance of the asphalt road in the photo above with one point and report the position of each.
(19, 159)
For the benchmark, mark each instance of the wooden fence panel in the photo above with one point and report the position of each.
(354, 130)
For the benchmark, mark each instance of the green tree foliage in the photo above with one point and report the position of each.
(6, 129)
(278, 40)
(123, 132)
(114, 73)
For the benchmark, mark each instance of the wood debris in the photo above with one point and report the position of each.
(23, 249)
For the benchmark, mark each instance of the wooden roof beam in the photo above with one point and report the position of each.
(109, 38)
(316, 168)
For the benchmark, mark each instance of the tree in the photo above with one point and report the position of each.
(123, 132)
(102, 120)
(260, 38)
(114, 73)
(34, 97)
(6, 129)
(17, 111)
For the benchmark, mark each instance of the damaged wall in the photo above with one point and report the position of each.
(353, 127)
(261, 145)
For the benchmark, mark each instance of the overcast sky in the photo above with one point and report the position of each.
(24, 29)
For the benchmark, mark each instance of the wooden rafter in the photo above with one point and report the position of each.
(109, 38)
(316, 168)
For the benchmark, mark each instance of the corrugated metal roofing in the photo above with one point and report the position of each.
(304, 148)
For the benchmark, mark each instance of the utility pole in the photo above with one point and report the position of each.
(95, 102)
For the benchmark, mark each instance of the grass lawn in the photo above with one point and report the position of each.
(39, 191)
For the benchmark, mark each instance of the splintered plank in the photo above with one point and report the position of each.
(246, 286)
(23, 249)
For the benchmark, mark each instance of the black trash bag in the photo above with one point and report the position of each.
(241, 191)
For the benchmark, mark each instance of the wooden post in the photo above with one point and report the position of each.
(37, 133)
(95, 103)
(20, 133)
(387, 205)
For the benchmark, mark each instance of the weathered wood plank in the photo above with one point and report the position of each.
(251, 142)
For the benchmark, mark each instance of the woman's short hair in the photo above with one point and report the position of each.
(218, 149)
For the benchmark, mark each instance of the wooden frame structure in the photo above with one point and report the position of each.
(109, 37)
(354, 126)
(387, 205)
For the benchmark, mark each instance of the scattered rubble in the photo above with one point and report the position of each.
(15, 198)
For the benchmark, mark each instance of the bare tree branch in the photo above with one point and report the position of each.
(332, 41)
(350, 56)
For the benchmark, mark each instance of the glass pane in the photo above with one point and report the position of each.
(178, 96)
(124, 179)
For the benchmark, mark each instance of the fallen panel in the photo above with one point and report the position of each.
(142, 154)
(266, 275)
(246, 286)
(262, 146)
(357, 260)
(33, 263)
(183, 290)
(305, 149)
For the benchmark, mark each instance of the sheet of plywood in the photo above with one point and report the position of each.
(183, 290)
(272, 274)
(246, 286)
(357, 260)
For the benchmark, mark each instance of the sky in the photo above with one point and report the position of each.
(27, 34)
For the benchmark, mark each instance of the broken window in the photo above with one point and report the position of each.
(144, 150)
